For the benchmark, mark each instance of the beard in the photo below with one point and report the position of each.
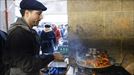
(35, 23)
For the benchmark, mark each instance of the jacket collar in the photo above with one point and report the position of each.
(20, 23)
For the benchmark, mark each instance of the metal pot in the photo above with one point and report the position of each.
(89, 69)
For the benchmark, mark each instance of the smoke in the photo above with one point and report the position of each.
(76, 47)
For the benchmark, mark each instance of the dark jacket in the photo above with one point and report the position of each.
(48, 40)
(22, 48)
(3, 36)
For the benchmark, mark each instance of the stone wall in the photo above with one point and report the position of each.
(106, 24)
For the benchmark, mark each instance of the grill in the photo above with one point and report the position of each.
(97, 62)
(111, 70)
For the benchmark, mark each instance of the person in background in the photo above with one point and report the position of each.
(65, 34)
(36, 28)
(62, 30)
(57, 33)
(23, 45)
(48, 40)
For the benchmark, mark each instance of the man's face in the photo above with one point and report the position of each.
(34, 17)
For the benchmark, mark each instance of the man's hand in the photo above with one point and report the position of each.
(58, 57)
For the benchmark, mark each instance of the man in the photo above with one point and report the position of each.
(22, 46)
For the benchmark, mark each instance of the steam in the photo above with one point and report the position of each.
(76, 46)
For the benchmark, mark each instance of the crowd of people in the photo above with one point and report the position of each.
(52, 36)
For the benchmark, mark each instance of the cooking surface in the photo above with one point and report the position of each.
(87, 64)
(77, 70)
(109, 70)
(73, 69)
(112, 70)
